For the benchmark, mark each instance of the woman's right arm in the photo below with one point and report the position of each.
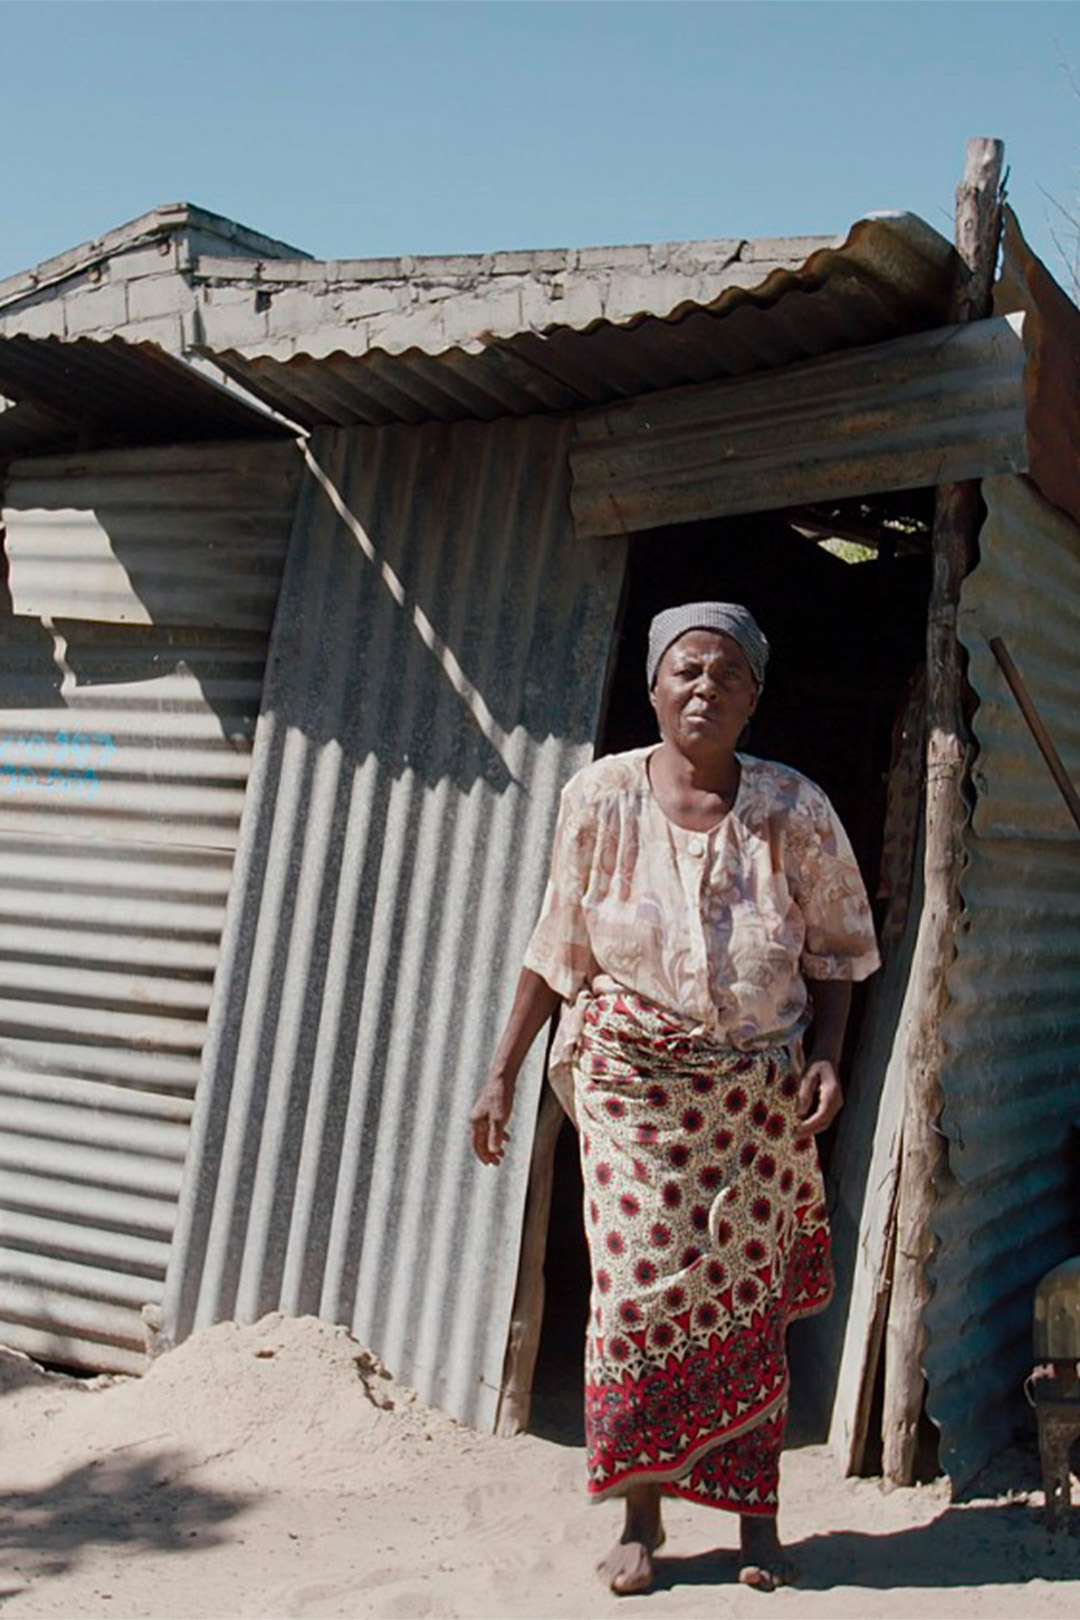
(534, 1003)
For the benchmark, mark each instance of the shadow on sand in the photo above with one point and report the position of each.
(996, 1545)
(138, 1503)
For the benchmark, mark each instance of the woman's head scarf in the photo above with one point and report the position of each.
(730, 618)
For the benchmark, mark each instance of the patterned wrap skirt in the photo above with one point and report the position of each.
(708, 1234)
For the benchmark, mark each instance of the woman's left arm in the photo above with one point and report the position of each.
(821, 1096)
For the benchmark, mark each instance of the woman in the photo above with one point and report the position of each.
(704, 910)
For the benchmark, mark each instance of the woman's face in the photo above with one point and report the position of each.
(704, 692)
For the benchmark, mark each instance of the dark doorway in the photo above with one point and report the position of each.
(847, 638)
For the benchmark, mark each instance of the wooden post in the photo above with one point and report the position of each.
(527, 1315)
(956, 523)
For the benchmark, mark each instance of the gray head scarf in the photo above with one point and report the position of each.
(729, 617)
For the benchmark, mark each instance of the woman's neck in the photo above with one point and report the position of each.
(695, 792)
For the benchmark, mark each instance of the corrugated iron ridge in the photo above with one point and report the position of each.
(906, 258)
(124, 753)
(1009, 1209)
(394, 850)
(887, 280)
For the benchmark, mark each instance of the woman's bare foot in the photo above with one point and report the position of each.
(762, 1563)
(628, 1567)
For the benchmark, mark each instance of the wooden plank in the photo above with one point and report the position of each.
(863, 1196)
(527, 1314)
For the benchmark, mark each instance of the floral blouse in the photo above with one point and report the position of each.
(720, 928)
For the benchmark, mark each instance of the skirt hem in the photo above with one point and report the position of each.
(672, 1473)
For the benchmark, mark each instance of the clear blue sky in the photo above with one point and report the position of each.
(355, 129)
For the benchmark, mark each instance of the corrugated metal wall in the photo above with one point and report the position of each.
(124, 753)
(436, 676)
(1011, 1206)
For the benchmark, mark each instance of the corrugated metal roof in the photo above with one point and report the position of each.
(435, 678)
(121, 391)
(124, 753)
(471, 352)
(1011, 1207)
(946, 404)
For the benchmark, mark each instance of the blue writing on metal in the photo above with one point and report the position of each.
(65, 764)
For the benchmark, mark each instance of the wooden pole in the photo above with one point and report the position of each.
(956, 523)
(1047, 748)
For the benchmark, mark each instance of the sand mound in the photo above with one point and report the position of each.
(294, 1388)
(277, 1471)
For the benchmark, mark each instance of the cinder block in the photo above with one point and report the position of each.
(232, 325)
(362, 270)
(167, 331)
(692, 258)
(529, 260)
(655, 295)
(541, 303)
(212, 267)
(452, 266)
(101, 309)
(42, 318)
(442, 292)
(226, 297)
(785, 250)
(496, 309)
(377, 298)
(149, 260)
(295, 310)
(153, 296)
(613, 258)
(422, 327)
(582, 300)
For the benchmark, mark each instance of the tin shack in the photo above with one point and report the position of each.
(321, 579)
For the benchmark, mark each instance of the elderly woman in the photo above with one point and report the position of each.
(704, 911)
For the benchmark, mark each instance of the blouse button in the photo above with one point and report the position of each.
(696, 846)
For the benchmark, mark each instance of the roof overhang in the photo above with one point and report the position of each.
(434, 360)
(82, 393)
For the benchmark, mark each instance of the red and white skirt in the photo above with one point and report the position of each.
(708, 1234)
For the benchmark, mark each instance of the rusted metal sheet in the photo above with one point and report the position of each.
(1052, 384)
(946, 404)
(1010, 1208)
(488, 345)
(124, 754)
(435, 677)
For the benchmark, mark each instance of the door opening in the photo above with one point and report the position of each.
(841, 593)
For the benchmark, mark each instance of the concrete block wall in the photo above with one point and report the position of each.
(185, 280)
(448, 301)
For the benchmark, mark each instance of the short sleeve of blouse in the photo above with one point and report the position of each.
(840, 941)
(559, 950)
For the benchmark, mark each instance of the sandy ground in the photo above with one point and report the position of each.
(276, 1471)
